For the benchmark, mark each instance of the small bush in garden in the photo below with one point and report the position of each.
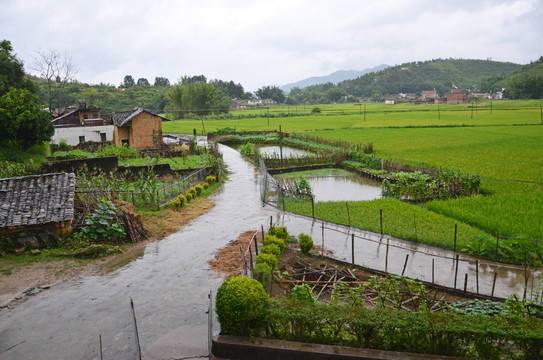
(316, 110)
(279, 231)
(271, 249)
(241, 306)
(193, 192)
(179, 201)
(210, 179)
(271, 239)
(199, 189)
(306, 243)
(303, 293)
(205, 185)
(269, 259)
(63, 145)
(263, 273)
(188, 196)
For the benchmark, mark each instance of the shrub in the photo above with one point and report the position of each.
(268, 259)
(303, 293)
(193, 192)
(63, 145)
(205, 185)
(279, 232)
(179, 201)
(263, 273)
(271, 249)
(271, 239)
(306, 243)
(316, 110)
(241, 306)
(188, 196)
(210, 179)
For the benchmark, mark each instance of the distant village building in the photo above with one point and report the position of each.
(429, 95)
(138, 128)
(82, 124)
(457, 96)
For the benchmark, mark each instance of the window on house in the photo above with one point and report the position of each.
(86, 116)
(103, 137)
(81, 139)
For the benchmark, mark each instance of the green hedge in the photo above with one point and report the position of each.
(477, 336)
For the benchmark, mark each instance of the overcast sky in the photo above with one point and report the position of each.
(259, 43)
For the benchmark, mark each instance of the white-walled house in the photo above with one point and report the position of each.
(82, 124)
(80, 134)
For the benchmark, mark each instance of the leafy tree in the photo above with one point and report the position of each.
(161, 81)
(335, 93)
(12, 71)
(190, 97)
(143, 82)
(271, 92)
(128, 82)
(233, 90)
(23, 121)
(527, 82)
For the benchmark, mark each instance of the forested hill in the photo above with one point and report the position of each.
(417, 76)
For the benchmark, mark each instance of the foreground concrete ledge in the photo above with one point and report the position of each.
(241, 348)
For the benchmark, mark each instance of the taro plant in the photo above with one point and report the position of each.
(102, 224)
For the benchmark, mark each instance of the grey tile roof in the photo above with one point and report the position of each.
(121, 118)
(37, 199)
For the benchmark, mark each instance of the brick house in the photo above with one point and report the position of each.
(428, 95)
(138, 128)
(82, 124)
(457, 96)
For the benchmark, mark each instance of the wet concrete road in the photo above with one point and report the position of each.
(170, 283)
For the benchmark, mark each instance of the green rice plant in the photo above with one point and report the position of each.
(398, 220)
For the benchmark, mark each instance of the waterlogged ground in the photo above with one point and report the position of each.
(170, 282)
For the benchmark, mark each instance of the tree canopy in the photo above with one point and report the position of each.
(271, 92)
(192, 96)
(23, 121)
(12, 72)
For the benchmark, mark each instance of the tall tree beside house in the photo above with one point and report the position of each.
(12, 72)
(56, 70)
(527, 82)
(23, 121)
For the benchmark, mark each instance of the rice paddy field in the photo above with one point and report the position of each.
(501, 141)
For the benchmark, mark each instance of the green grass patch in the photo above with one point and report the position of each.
(179, 163)
(398, 220)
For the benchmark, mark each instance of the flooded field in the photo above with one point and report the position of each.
(288, 152)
